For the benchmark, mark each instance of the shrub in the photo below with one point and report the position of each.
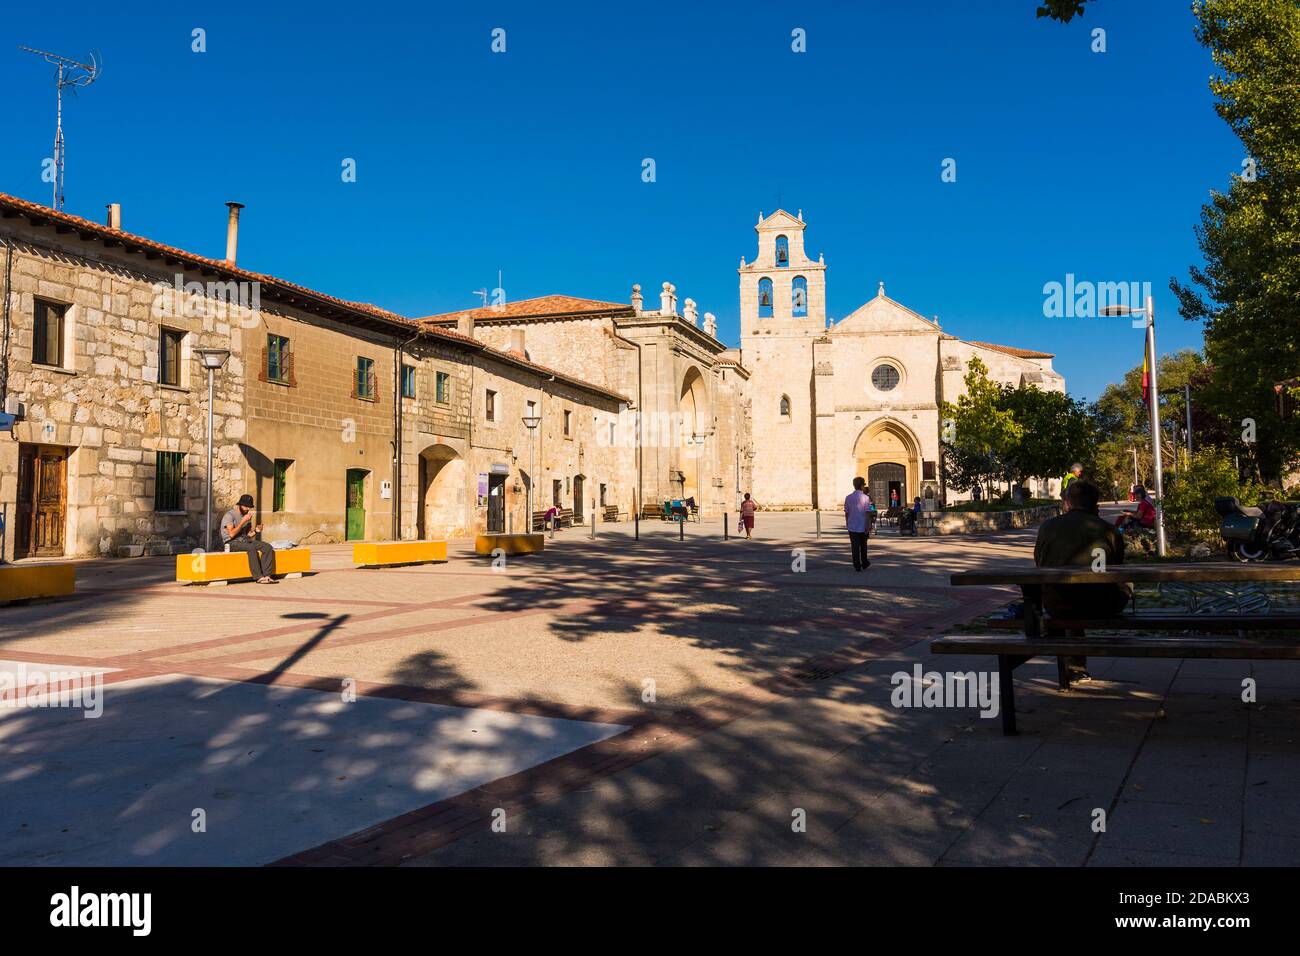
(1189, 497)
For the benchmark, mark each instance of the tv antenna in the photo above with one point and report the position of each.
(72, 74)
(483, 293)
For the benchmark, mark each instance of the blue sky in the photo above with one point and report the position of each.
(529, 162)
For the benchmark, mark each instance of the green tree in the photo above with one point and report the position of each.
(1189, 500)
(1063, 10)
(978, 433)
(1248, 290)
(1055, 430)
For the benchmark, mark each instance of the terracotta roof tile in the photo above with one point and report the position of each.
(1012, 350)
(539, 307)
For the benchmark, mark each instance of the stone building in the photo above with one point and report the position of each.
(831, 401)
(685, 428)
(103, 447)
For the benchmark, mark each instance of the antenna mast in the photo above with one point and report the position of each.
(71, 75)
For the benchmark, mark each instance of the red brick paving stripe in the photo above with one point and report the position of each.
(426, 829)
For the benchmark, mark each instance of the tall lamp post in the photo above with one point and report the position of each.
(530, 422)
(1153, 410)
(212, 360)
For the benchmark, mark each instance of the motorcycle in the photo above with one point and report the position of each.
(1270, 533)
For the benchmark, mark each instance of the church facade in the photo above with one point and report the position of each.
(861, 396)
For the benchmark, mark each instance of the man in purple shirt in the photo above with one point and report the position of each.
(857, 507)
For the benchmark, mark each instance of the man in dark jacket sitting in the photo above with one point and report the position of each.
(1077, 538)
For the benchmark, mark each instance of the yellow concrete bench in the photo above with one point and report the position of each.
(509, 543)
(24, 582)
(374, 554)
(212, 567)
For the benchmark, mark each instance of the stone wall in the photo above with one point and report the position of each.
(983, 522)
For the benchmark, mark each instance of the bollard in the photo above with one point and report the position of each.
(725, 516)
(636, 526)
(593, 517)
(681, 529)
(819, 523)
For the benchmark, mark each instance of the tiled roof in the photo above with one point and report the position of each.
(544, 306)
(1012, 350)
(272, 286)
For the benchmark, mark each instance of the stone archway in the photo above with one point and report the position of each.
(444, 488)
(888, 455)
(693, 407)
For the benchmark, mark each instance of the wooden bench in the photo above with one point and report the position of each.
(222, 567)
(509, 543)
(1213, 635)
(563, 519)
(26, 582)
(612, 513)
(652, 511)
(379, 554)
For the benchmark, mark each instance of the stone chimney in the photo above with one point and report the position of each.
(637, 300)
(690, 312)
(517, 343)
(114, 215)
(465, 323)
(232, 232)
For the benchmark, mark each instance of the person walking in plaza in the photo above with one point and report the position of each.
(747, 509)
(238, 533)
(857, 512)
(1074, 474)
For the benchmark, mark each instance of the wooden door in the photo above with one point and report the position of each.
(42, 501)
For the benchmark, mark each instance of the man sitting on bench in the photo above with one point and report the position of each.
(238, 533)
(1077, 538)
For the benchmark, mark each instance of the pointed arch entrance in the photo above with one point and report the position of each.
(444, 480)
(693, 407)
(888, 455)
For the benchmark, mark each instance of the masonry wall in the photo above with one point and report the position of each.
(105, 404)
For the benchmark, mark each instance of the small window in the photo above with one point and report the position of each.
(785, 406)
(782, 252)
(278, 359)
(884, 378)
(602, 495)
(799, 296)
(280, 483)
(568, 423)
(47, 333)
(408, 381)
(363, 382)
(443, 388)
(491, 406)
(169, 356)
(613, 434)
(169, 481)
(764, 298)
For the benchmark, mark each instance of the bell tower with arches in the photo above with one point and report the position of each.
(782, 317)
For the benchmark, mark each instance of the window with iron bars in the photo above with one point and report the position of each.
(169, 481)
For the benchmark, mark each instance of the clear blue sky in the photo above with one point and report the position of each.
(530, 161)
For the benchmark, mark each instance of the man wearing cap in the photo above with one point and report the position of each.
(238, 533)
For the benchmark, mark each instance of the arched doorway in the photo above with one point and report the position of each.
(443, 489)
(889, 457)
(579, 489)
(692, 406)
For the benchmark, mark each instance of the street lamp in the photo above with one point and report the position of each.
(530, 422)
(1153, 409)
(212, 360)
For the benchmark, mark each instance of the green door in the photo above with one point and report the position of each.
(356, 529)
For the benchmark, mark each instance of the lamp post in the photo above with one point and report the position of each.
(1153, 410)
(212, 360)
(530, 422)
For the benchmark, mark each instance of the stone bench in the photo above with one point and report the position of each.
(509, 543)
(221, 567)
(376, 554)
(25, 582)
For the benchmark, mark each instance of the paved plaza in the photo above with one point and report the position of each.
(614, 701)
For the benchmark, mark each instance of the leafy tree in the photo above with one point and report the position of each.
(978, 432)
(1189, 500)
(1063, 10)
(1055, 430)
(1248, 290)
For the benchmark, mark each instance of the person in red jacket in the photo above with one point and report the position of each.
(1144, 516)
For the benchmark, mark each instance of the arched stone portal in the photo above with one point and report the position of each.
(693, 407)
(443, 493)
(888, 455)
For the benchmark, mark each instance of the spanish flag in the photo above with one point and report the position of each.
(1146, 378)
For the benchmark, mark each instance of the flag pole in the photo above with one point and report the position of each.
(1153, 407)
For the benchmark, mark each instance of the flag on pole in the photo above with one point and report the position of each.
(1146, 376)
